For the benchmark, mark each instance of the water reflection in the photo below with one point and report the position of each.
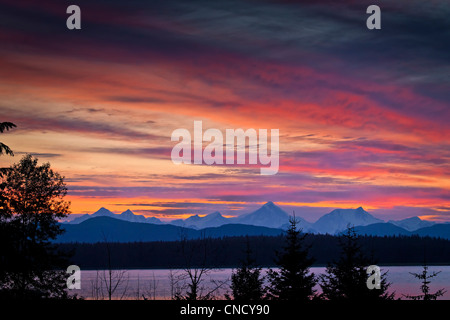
(163, 283)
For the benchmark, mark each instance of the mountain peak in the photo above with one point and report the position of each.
(413, 219)
(269, 204)
(338, 220)
(128, 212)
(412, 223)
(345, 212)
(215, 214)
(102, 212)
(194, 218)
(269, 215)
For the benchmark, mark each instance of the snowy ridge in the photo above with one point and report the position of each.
(272, 216)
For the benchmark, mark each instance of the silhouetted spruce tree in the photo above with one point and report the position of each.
(246, 281)
(32, 201)
(425, 277)
(293, 281)
(346, 279)
(3, 147)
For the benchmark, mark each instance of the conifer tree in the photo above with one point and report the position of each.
(3, 147)
(246, 281)
(293, 280)
(346, 278)
(425, 277)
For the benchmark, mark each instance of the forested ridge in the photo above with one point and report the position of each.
(229, 251)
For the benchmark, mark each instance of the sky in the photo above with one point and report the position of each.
(362, 114)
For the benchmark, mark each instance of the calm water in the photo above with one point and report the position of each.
(162, 283)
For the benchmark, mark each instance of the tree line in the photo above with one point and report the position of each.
(228, 252)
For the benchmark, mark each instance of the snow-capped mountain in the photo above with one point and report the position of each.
(76, 218)
(272, 216)
(127, 215)
(103, 212)
(412, 224)
(269, 215)
(339, 219)
(214, 219)
(153, 220)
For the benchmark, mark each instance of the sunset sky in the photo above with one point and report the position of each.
(363, 115)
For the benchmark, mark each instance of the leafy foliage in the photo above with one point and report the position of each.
(32, 201)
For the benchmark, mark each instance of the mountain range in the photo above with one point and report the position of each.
(100, 229)
(127, 215)
(412, 223)
(269, 215)
(269, 219)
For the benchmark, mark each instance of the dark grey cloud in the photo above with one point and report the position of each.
(40, 154)
(361, 151)
(154, 152)
(171, 204)
(76, 124)
(130, 99)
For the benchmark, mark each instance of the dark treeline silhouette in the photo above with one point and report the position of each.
(231, 251)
